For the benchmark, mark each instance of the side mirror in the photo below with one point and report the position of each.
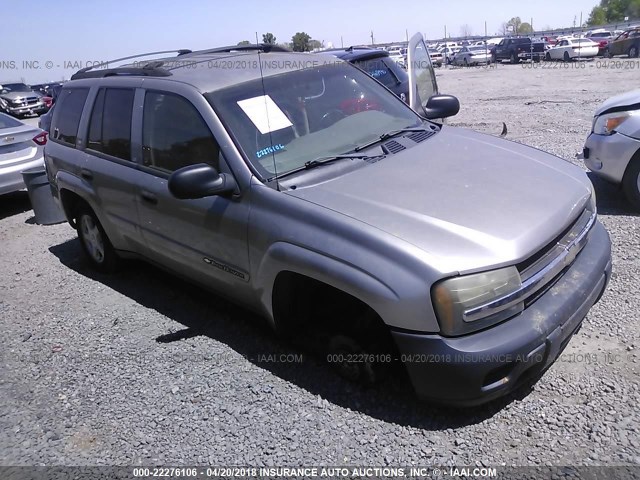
(441, 106)
(199, 181)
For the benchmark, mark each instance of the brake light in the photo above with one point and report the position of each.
(41, 138)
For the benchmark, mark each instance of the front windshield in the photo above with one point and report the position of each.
(307, 114)
(16, 87)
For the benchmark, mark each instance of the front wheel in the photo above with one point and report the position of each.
(352, 361)
(514, 59)
(547, 57)
(633, 51)
(607, 54)
(567, 57)
(631, 182)
(94, 241)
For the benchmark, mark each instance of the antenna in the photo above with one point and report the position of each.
(264, 92)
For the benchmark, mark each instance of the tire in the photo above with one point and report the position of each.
(95, 243)
(631, 182)
(349, 351)
(547, 57)
(607, 54)
(566, 57)
(466, 64)
(514, 60)
(633, 51)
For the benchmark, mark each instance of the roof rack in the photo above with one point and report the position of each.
(264, 47)
(148, 70)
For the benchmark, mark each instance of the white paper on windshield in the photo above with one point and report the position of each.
(264, 113)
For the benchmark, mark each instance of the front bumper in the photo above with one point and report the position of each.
(482, 366)
(26, 110)
(608, 155)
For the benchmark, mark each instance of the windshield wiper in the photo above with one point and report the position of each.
(386, 136)
(324, 161)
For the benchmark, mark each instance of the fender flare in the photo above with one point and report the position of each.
(287, 257)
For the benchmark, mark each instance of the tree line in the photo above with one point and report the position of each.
(300, 42)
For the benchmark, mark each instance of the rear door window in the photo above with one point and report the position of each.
(110, 123)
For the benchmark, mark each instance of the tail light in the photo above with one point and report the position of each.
(41, 138)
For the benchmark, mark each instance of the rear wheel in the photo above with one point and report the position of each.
(633, 51)
(607, 53)
(514, 59)
(547, 57)
(631, 182)
(94, 241)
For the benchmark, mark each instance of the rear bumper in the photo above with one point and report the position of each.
(608, 155)
(482, 366)
(534, 55)
(11, 176)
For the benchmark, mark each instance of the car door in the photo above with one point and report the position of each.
(206, 238)
(109, 168)
(422, 77)
(500, 48)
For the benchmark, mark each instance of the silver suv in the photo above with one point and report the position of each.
(300, 187)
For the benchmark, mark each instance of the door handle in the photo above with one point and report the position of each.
(149, 197)
(86, 174)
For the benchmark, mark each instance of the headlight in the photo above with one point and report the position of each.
(456, 298)
(608, 123)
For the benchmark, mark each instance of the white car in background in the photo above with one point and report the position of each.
(398, 54)
(474, 55)
(572, 48)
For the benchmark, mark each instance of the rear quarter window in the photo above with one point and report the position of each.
(378, 70)
(66, 116)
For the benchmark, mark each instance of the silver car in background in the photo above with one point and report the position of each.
(21, 148)
(612, 150)
(18, 99)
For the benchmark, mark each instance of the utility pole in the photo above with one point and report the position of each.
(371, 37)
(341, 42)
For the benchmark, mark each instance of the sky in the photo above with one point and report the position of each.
(79, 31)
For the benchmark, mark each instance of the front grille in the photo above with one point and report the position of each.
(542, 270)
(25, 102)
(546, 255)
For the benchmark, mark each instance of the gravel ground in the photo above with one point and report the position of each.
(139, 368)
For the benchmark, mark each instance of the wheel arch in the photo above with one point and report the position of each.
(285, 263)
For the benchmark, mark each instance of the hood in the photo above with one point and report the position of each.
(469, 200)
(623, 100)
